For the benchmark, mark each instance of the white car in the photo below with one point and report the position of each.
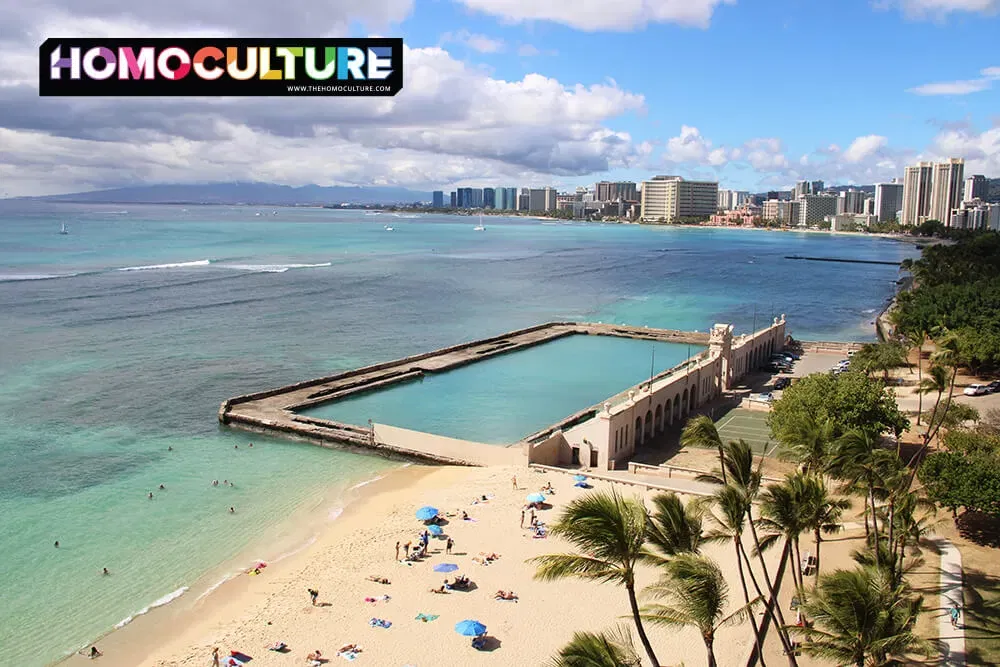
(976, 390)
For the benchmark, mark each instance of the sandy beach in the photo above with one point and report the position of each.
(251, 613)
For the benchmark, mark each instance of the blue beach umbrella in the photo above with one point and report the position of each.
(579, 478)
(536, 497)
(445, 567)
(435, 530)
(470, 628)
(427, 513)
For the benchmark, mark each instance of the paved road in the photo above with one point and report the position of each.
(952, 640)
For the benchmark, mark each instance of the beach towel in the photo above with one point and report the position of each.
(381, 598)
(426, 618)
(350, 656)
(379, 623)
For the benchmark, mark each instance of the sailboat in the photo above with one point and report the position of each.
(388, 228)
(479, 227)
(63, 229)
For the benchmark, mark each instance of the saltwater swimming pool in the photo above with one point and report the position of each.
(502, 399)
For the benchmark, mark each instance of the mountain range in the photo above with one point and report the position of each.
(245, 193)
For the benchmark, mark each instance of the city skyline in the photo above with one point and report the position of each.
(527, 93)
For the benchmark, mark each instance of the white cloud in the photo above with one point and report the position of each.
(597, 15)
(480, 43)
(991, 72)
(937, 9)
(952, 87)
(863, 148)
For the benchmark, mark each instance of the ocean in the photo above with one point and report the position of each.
(119, 340)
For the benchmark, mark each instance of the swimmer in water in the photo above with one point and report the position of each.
(162, 488)
(170, 449)
(215, 482)
(232, 510)
(57, 544)
(150, 495)
(236, 446)
(251, 444)
(105, 572)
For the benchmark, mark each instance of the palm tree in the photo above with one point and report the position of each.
(701, 432)
(860, 619)
(807, 440)
(820, 511)
(915, 340)
(697, 594)
(611, 530)
(782, 516)
(600, 649)
(673, 528)
(937, 381)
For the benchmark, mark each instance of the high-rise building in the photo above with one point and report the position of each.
(499, 198)
(671, 197)
(615, 191)
(917, 193)
(784, 212)
(437, 199)
(510, 199)
(851, 201)
(815, 208)
(454, 199)
(888, 201)
(489, 200)
(946, 188)
(470, 198)
(802, 188)
(725, 200)
(868, 205)
(523, 199)
(976, 187)
(816, 187)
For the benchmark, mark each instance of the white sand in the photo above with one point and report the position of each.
(257, 611)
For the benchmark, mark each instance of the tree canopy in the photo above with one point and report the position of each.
(850, 400)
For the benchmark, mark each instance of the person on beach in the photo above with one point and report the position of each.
(522, 518)
(215, 657)
(406, 550)
(313, 595)
(532, 516)
(513, 482)
(94, 653)
(955, 614)
(449, 545)
(397, 550)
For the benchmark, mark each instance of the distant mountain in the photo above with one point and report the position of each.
(245, 193)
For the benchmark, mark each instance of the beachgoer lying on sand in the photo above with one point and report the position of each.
(280, 647)
(548, 488)
(465, 515)
(505, 595)
(349, 648)
(377, 580)
(441, 589)
(492, 556)
(461, 582)
(315, 658)
(479, 643)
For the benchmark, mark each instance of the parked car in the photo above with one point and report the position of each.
(781, 383)
(993, 387)
(766, 397)
(851, 353)
(976, 390)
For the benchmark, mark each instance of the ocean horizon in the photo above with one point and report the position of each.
(123, 336)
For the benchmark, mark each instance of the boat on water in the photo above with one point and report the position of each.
(479, 227)
(388, 228)
(63, 230)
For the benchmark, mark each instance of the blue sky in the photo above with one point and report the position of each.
(754, 93)
(810, 72)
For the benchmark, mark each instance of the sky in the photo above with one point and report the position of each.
(756, 94)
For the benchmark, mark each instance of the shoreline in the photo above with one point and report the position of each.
(277, 545)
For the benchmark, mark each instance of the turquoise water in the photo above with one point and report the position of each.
(502, 399)
(103, 369)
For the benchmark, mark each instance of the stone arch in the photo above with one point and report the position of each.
(685, 405)
(694, 396)
(638, 431)
(647, 433)
(677, 407)
(658, 425)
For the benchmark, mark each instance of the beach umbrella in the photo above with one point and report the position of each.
(536, 497)
(435, 530)
(470, 628)
(445, 567)
(579, 478)
(427, 513)
(582, 485)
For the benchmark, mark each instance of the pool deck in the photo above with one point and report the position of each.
(275, 411)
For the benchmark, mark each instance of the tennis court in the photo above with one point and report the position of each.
(750, 425)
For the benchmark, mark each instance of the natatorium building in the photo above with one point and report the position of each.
(667, 198)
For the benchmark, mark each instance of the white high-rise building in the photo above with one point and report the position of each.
(946, 189)
(802, 188)
(917, 193)
(888, 200)
(851, 201)
(667, 198)
(815, 208)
